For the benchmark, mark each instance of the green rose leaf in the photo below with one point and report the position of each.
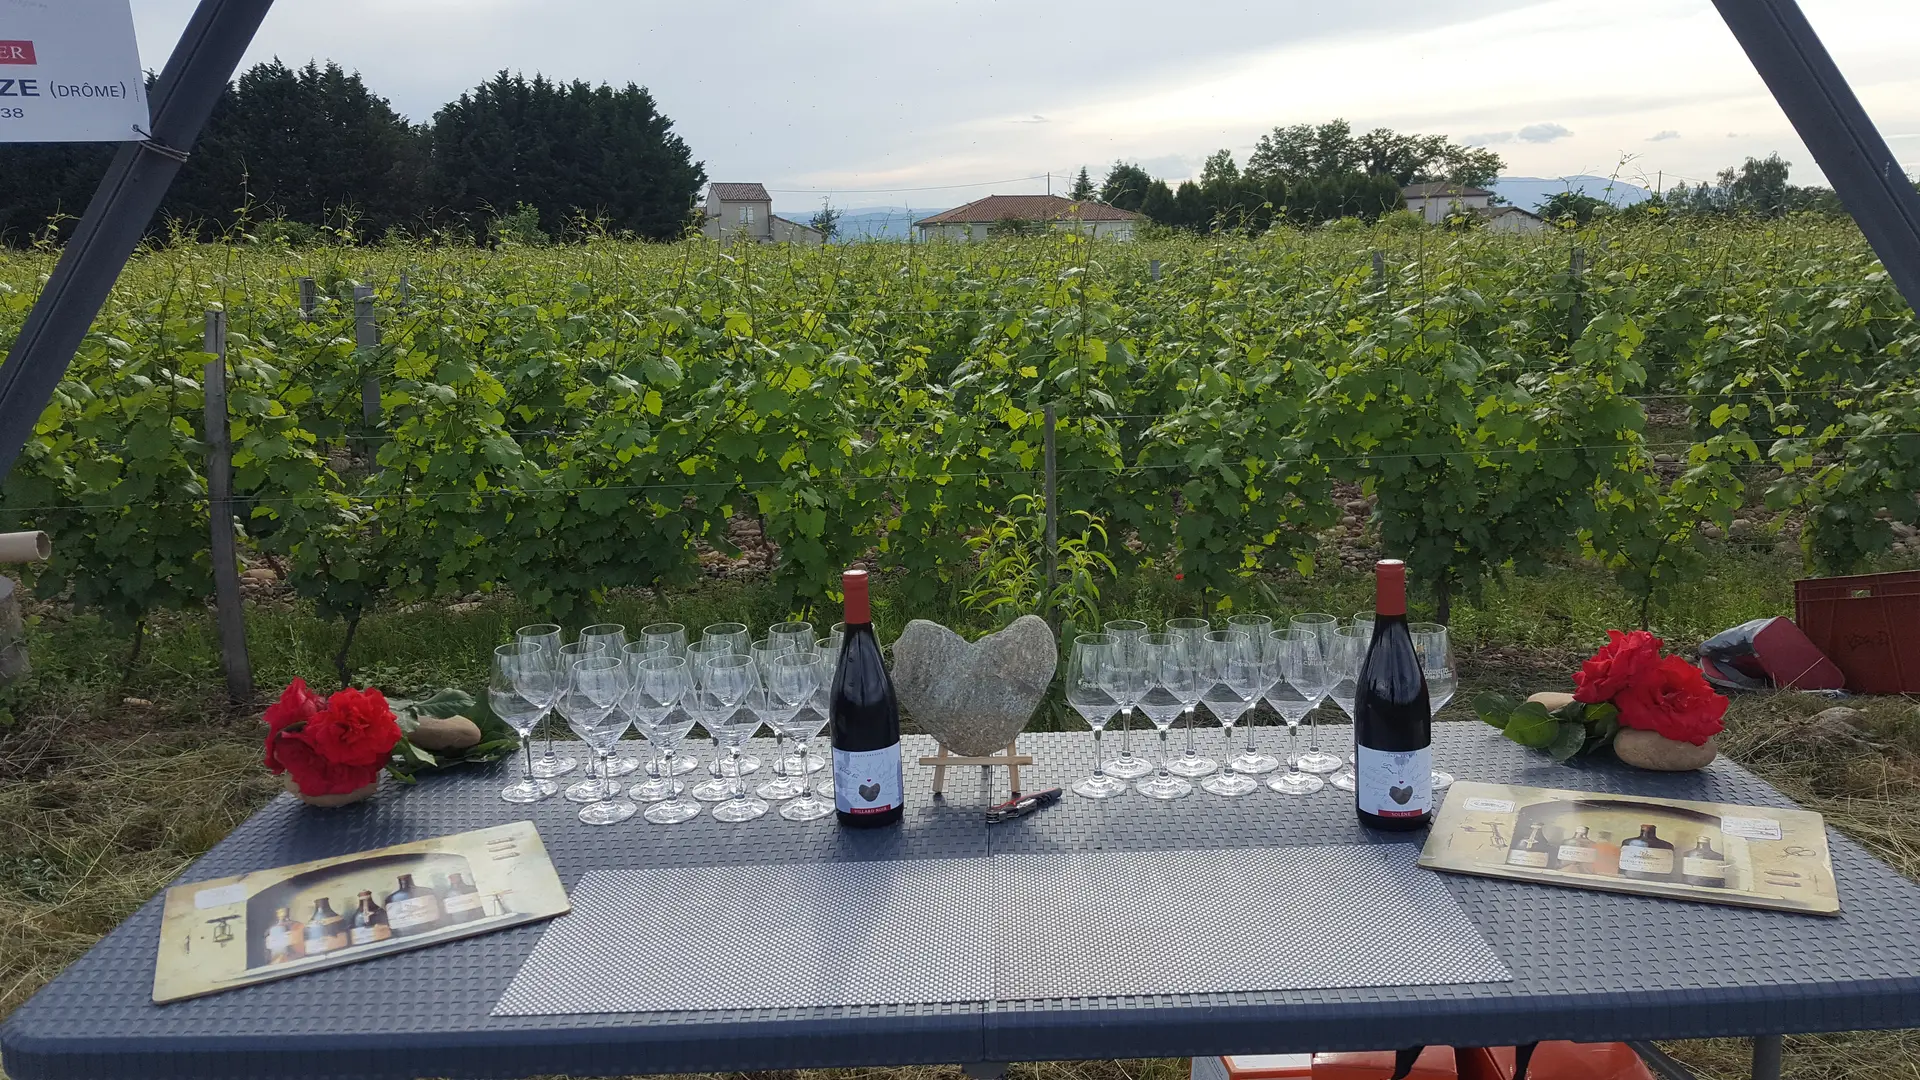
(1569, 741)
(1495, 708)
(1532, 725)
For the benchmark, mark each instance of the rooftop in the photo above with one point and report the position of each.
(1027, 208)
(1442, 190)
(738, 193)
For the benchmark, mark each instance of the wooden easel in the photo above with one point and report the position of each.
(1012, 759)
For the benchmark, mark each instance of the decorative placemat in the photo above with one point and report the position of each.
(806, 935)
(1121, 924)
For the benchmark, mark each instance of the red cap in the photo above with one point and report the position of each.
(854, 584)
(1390, 587)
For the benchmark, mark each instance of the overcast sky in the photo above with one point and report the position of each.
(925, 103)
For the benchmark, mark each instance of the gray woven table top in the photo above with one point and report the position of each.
(1585, 965)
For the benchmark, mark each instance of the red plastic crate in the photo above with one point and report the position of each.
(1868, 625)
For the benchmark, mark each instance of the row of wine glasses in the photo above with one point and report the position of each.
(662, 685)
(1170, 673)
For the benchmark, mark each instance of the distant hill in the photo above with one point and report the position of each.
(1529, 192)
(871, 222)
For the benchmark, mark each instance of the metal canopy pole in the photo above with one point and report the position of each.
(1830, 120)
(197, 74)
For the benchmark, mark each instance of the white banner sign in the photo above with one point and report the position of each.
(70, 72)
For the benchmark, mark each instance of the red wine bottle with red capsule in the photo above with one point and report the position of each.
(1392, 726)
(868, 788)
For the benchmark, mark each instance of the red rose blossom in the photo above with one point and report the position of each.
(1621, 660)
(1672, 699)
(312, 772)
(356, 728)
(297, 705)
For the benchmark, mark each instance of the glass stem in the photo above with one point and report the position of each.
(1099, 766)
(1226, 755)
(666, 771)
(1293, 748)
(606, 773)
(1163, 773)
(1256, 706)
(1190, 753)
(545, 717)
(806, 775)
(779, 752)
(526, 744)
(739, 780)
(1126, 733)
(1313, 731)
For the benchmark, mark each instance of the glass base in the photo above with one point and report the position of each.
(778, 789)
(713, 790)
(790, 765)
(824, 789)
(1164, 787)
(1319, 762)
(681, 766)
(1254, 764)
(591, 791)
(1193, 766)
(1128, 768)
(656, 790)
(1442, 780)
(740, 809)
(672, 813)
(1229, 783)
(547, 768)
(527, 791)
(1100, 787)
(623, 766)
(1296, 783)
(724, 766)
(1342, 779)
(809, 809)
(611, 812)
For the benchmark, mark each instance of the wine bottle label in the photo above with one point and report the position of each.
(867, 782)
(1573, 855)
(1646, 860)
(1692, 866)
(1394, 783)
(1523, 857)
(463, 902)
(414, 911)
(367, 935)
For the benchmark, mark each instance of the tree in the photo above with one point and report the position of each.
(1219, 171)
(1082, 186)
(827, 220)
(1306, 151)
(572, 150)
(1760, 187)
(1577, 207)
(1126, 186)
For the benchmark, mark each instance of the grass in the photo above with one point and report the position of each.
(114, 777)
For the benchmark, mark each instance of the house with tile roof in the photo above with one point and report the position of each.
(744, 212)
(1437, 202)
(998, 214)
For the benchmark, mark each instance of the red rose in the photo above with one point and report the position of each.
(1615, 666)
(297, 705)
(1672, 699)
(312, 772)
(356, 728)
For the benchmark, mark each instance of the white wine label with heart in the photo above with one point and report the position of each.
(1394, 784)
(868, 781)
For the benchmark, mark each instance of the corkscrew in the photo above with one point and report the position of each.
(1021, 806)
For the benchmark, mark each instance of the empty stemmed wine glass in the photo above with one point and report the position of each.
(1301, 685)
(733, 637)
(765, 707)
(1176, 676)
(1086, 682)
(734, 634)
(1259, 629)
(589, 789)
(726, 681)
(547, 637)
(516, 687)
(1316, 760)
(668, 638)
(706, 711)
(1128, 656)
(794, 680)
(1343, 667)
(612, 639)
(821, 706)
(594, 690)
(1233, 684)
(1192, 634)
(777, 713)
(659, 785)
(1430, 644)
(660, 682)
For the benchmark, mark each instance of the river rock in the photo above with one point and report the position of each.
(1554, 700)
(974, 698)
(1651, 750)
(438, 733)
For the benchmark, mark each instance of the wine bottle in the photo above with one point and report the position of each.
(284, 939)
(326, 931)
(1531, 850)
(1392, 726)
(413, 910)
(463, 902)
(369, 922)
(1704, 866)
(1579, 853)
(868, 786)
(1646, 857)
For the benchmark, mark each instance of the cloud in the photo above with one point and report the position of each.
(1543, 133)
(1493, 138)
(1665, 136)
(1036, 118)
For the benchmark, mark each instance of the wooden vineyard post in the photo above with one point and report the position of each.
(1053, 506)
(1011, 759)
(234, 661)
(1577, 273)
(366, 335)
(307, 299)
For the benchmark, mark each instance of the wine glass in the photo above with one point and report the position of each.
(1128, 658)
(706, 711)
(612, 637)
(763, 652)
(797, 635)
(1363, 620)
(594, 691)
(1233, 680)
(821, 706)
(733, 637)
(659, 685)
(778, 714)
(1343, 663)
(733, 633)
(589, 789)
(1259, 629)
(795, 680)
(836, 634)
(726, 681)
(516, 686)
(548, 637)
(1430, 643)
(658, 785)
(1087, 692)
(1192, 634)
(670, 637)
(1301, 685)
(1175, 671)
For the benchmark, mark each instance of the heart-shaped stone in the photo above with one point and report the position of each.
(974, 698)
